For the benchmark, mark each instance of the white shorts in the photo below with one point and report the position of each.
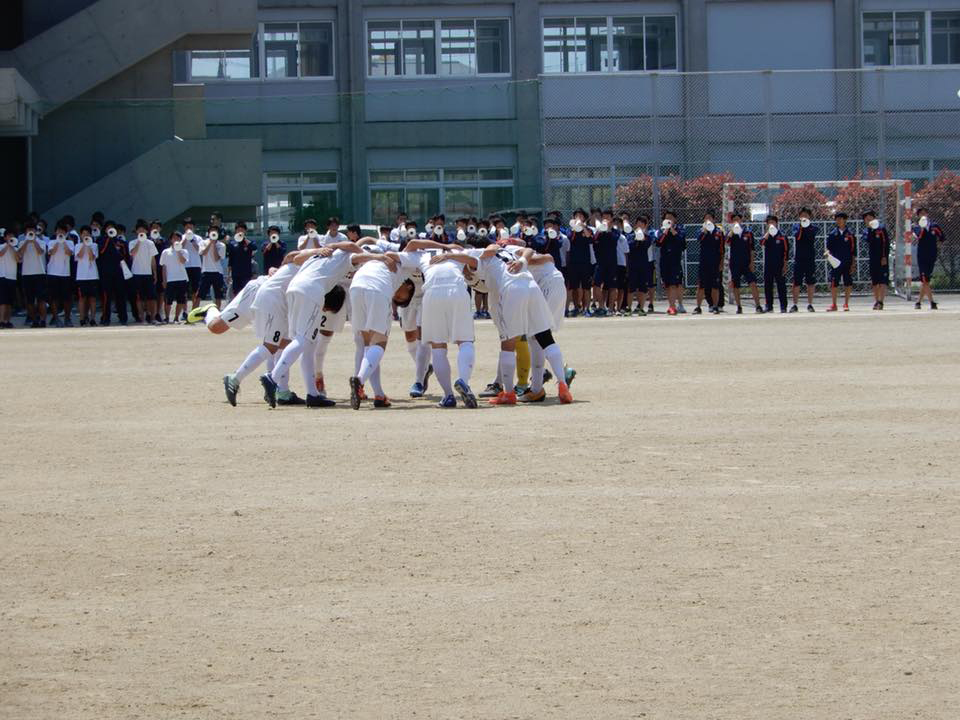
(410, 316)
(270, 320)
(554, 290)
(370, 311)
(446, 317)
(523, 311)
(238, 312)
(303, 316)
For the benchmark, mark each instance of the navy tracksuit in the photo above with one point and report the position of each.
(843, 246)
(878, 247)
(774, 264)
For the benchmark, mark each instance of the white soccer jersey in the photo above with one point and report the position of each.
(444, 274)
(34, 261)
(58, 263)
(318, 275)
(146, 251)
(8, 261)
(270, 305)
(375, 275)
(176, 270)
(554, 289)
(517, 303)
(192, 244)
(239, 311)
(87, 265)
(208, 263)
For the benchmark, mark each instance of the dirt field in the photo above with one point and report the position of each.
(741, 517)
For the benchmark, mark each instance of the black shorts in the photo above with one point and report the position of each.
(637, 277)
(606, 276)
(8, 291)
(621, 277)
(671, 274)
(176, 292)
(88, 288)
(804, 272)
(841, 276)
(59, 288)
(710, 277)
(925, 265)
(879, 274)
(34, 288)
(211, 281)
(193, 279)
(579, 277)
(742, 275)
(146, 287)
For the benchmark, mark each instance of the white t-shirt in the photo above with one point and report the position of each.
(86, 265)
(192, 245)
(327, 238)
(375, 275)
(176, 271)
(308, 242)
(209, 264)
(564, 249)
(318, 275)
(275, 286)
(8, 261)
(444, 274)
(58, 263)
(142, 264)
(623, 249)
(495, 271)
(34, 261)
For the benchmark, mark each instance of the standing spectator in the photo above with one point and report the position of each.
(842, 246)
(87, 277)
(310, 240)
(173, 264)
(804, 264)
(672, 242)
(59, 279)
(216, 223)
(878, 248)
(212, 251)
(742, 262)
(580, 271)
(191, 243)
(928, 235)
(711, 265)
(33, 255)
(774, 264)
(143, 255)
(74, 237)
(111, 252)
(156, 235)
(240, 258)
(129, 284)
(274, 250)
(637, 271)
(8, 277)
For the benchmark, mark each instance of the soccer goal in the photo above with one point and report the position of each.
(890, 199)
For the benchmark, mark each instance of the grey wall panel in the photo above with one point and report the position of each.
(260, 102)
(613, 95)
(441, 99)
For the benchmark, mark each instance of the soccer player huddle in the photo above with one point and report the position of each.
(297, 308)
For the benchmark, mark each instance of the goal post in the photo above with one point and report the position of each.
(889, 198)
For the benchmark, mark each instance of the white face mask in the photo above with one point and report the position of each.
(530, 230)
(412, 233)
(576, 225)
(709, 226)
(924, 221)
(111, 233)
(155, 234)
(772, 230)
(438, 230)
(737, 228)
(188, 234)
(214, 236)
(627, 228)
(472, 229)
(141, 236)
(178, 246)
(552, 234)
(874, 224)
(666, 225)
(601, 226)
(805, 222)
(504, 233)
(461, 234)
(429, 228)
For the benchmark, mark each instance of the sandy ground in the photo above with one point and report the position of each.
(741, 517)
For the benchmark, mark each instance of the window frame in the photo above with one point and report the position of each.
(441, 184)
(300, 187)
(927, 39)
(437, 30)
(610, 46)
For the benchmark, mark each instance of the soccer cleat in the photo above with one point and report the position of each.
(933, 305)
(832, 308)
(319, 401)
(760, 310)
(505, 398)
(448, 402)
(363, 393)
(355, 389)
(269, 390)
(466, 394)
(426, 378)
(714, 311)
(381, 401)
(846, 307)
(697, 310)
(810, 308)
(639, 312)
(231, 387)
(917, 306)
(876, 305)
(671, 311)
(794, 308)
(520, 389)
(533, 397)
(739, 310)
(879, 306)
(416, 390)
(681, 309)
(563, 392)
(492, 390)
(288, 397)
(649, 307)
(569, 374)
(198, 313)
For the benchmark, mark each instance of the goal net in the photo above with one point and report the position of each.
(890, 199)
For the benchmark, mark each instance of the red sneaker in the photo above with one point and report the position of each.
(504, 398)
(846, 308)
(564, 392)
(832, 308)
(671, 311)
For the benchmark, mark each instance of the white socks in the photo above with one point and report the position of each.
(308, 361)
(291, 353)
(555, 358)
(508, 369)
(375, 383)
(211, 316)
(323, 342)
(413, 347)
(370, 362)
(465, 359)
(422, 360)
(441, 368)
(258, 355)
(358, 352)
(537, 364)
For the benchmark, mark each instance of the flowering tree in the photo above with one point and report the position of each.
(942, 198)
(857, 199)
(637, 196)
(705, 193)
(788, 203)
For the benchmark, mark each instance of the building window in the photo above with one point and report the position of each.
(222, 65)
(918, 171)
(609, 44)
(465, 46)
(292, 197)
(589, 187)
(451, 191)
(911, 38)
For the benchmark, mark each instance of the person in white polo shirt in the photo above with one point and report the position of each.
(59, 280)
(33, 275)
(143, 253)
(191, 243)
(88, 279)
(8, 276)
(310, 240)
(212, 250)
(173, 265)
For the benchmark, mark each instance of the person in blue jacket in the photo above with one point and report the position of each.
(927, 235)
(877, 240)
(842, 245)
